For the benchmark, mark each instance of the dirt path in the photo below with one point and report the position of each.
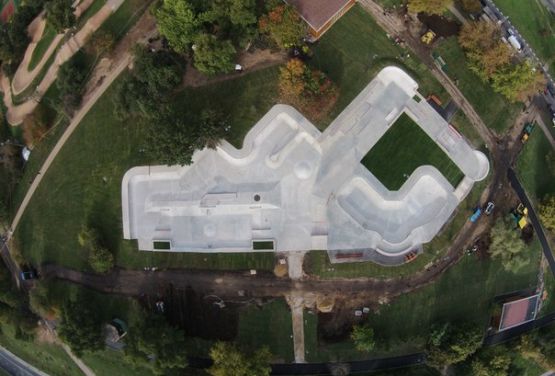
(16, 114)
(82, 366)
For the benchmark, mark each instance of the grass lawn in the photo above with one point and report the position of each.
(532, 167)
(43, 44)
(91, 11)
(535, 23)
(269, 325)
(124, 18)
(464, 292)
(404, 148)
(110, 362)
(493, 108)
(355, 49)
(49, 358)
(83, 184)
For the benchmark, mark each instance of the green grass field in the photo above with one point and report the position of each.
(355, 49)
(40, 49)
(49, 358)
(83, 184)
(464, 292)
(124, 18)
(91, 11)
(493, 108)
(269, 325)
(535, 23)
(404, 148)
(532, 166)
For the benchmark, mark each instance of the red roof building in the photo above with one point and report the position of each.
(320, 15)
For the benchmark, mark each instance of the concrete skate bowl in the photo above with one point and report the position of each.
(412, 215)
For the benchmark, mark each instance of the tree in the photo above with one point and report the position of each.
(429, 6)
(497, 365)
(363, 336)
(153, 338)
(213, 56)
(450, 344)
(507, 246)
(230, 361)
(177, 22)
(471, 6)
(81, 327)
(70, 81)
(101, 260)
(59, 14)
(546, 212)
(484, 49)
(284, 25)
(173, 139)
(517, 81)
(153, 77)
(36, 124)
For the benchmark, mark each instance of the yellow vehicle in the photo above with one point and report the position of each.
(428, 37)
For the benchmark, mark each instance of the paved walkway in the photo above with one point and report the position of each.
(122, 65)
(82, 366)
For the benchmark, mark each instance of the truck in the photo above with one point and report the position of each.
(428, 37)
(520, 215)
(526, 131)
(477, 214)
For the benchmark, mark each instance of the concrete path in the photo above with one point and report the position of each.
(295, 264)
(296, 302)
(16, 114)
(82, 366)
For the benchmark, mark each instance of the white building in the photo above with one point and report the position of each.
(292, 187)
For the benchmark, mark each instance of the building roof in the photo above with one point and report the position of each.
(519, 312)
(303, 189)
(318, 13)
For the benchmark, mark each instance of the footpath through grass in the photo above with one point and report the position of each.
(464, 293)
(404, 148)
(493, 108)
(535, 23)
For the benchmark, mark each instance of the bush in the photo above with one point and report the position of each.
(101, 260)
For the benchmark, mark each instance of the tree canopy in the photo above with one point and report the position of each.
(284, 25)
(429, 6)
(178, 23)
(81, 327)
(491, 59)
(547, 213)
(507, 246)
(363, 336)
(59, 13)
(213, 56)
(230, 361)
(175, 138)
(153, 338)
(453, 343)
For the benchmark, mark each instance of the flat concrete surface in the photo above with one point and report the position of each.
(302, 189)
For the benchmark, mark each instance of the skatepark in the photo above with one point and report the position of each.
(292, 188)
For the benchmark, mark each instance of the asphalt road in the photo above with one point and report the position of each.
(16, 366)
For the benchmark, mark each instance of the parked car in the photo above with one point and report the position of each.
(27, 275)
(489, 208)
(477, 214)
